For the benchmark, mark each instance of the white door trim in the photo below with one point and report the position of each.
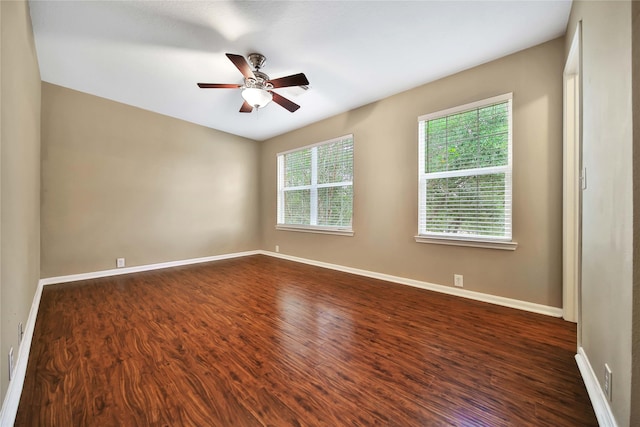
(573, 181)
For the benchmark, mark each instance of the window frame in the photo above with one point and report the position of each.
(313, 188)
(489, 242)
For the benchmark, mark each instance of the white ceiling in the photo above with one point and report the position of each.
(151, 54)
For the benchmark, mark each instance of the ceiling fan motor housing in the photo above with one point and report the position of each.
(259, 82)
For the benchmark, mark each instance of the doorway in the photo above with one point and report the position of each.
(574, 181)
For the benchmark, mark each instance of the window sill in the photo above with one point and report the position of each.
(317, 230)
(476, 243)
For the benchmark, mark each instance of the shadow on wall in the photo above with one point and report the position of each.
(353, 118)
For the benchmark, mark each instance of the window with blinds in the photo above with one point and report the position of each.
(465, 167)
(315, 186)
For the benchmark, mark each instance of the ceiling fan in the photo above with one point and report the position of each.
(257, 88)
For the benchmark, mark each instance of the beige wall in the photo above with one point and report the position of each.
(19, 176)
(122, 182)
(635, 349)
(118, 181)
(607, 233)
(386, 183)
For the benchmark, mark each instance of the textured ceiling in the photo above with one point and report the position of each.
(151, 54)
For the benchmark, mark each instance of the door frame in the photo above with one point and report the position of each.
(574, 181)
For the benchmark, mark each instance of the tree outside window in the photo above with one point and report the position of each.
(315, 186)
(465, 171)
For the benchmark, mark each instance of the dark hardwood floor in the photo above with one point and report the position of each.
(261, 341)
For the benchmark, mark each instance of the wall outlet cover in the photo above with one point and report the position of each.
(608, 378)
(119, 262)
(458, 280)
(11, 364)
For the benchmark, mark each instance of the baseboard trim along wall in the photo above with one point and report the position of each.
(12, 398)
(14, 390)
(596, 395)
(140, 268)
(478, 296)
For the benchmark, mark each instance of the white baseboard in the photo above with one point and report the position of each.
(596, 395)
(12, 398)
(139, 268)
(478, 296)
(14, 390)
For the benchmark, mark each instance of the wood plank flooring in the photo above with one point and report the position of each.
(259, 341)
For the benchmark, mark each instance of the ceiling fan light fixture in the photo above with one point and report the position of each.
(257, 86)
(256, 97)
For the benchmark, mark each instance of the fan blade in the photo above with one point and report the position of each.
(293, 80)
(218, 86)
(246, 108)
(242, 65)
(284, 102)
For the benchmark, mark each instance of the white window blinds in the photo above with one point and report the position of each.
(465, 171)
(315, 185)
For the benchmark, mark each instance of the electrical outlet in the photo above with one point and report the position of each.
(11, 364)
(608, 378)
(20, 332)
(457, 280)
(277, 248)
(119, 262)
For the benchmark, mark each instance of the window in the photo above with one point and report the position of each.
(465, 175)
(315, 187)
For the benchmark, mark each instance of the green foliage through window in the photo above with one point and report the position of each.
(465, 171)
(315, 185)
